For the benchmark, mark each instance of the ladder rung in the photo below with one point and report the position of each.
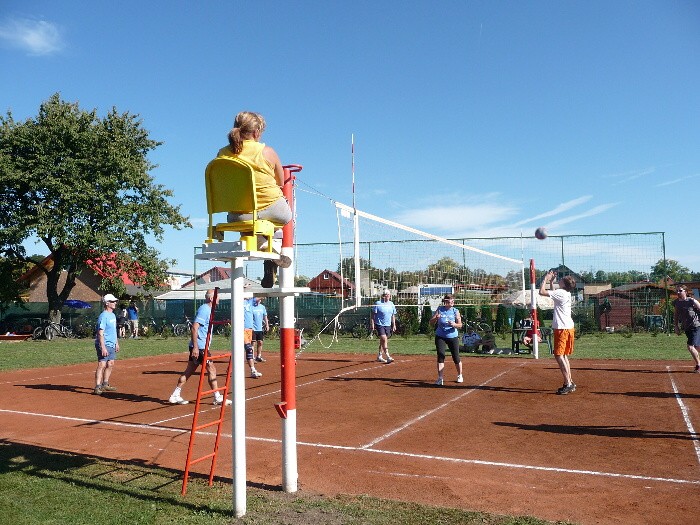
(206, 425)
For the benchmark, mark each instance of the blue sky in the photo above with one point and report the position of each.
(470, 118)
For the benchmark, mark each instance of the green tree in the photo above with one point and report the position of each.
(670, 269)
(426, 314)
(80, 184)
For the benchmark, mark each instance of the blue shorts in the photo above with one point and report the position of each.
(383, 330)
(693, 335)
(111, 353)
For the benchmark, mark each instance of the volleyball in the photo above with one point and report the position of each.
(541, 233)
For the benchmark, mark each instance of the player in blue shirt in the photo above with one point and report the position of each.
(447, 321)
(106, 345)
(198, 344)
(248, 305)
(260, 326)
(384, 321)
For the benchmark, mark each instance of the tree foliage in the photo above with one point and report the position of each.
(80, 184)
(670, 269)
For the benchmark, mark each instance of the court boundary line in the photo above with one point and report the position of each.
(499, 464)
(684, 413)
(433, 410)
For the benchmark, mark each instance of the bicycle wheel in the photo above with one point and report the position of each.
(38, 332)
(180, 329)
(51, 331)
(483, 327)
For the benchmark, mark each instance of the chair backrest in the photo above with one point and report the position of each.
(230, 185)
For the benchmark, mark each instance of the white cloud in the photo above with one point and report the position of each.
(450, 218)
(486, 216)
(36, 37)
(676, 181)
(561, 208)
(631, 175)
(597, 210)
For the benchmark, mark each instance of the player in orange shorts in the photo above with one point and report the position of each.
(563, 326)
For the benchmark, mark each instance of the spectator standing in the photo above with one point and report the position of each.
(122, 321)
(248, 336)
(563, 326)
(198, 341)
(447, 321)
(383, 320)
(133, 313)
(106, 345)
(260, 326)
(686, 317)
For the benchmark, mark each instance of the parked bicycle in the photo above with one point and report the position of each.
(184, 328)
(362, 330)
(50, 330)
(479, 325)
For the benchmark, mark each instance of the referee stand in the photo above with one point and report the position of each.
(237, 253)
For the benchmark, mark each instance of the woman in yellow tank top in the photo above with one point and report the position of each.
(244, 143)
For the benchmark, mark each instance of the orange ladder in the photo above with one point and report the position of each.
(201, 393)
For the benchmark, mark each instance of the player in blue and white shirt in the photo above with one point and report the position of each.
(384, 321)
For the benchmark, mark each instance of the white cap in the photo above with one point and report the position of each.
(109, 298)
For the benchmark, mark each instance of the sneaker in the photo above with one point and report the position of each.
(219, 400)
(97, 391)
(106, 387)
(460, 379)
(438, 382)
(380, 359)
(255, 374)
(697, 369)
(389, 359)
(260, 359)
(270, 272)
(177, 400)
(567, 389)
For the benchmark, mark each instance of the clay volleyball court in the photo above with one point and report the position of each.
(624, 448)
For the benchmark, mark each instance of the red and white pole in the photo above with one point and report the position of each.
(533, 310)
(287, 408)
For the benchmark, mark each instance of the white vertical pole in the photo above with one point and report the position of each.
(290, 475)
(356, 245)
(238, 390)
(533, 310)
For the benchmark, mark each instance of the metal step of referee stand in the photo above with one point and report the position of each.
(202, 393)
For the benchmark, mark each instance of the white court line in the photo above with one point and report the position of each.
(432, 411)
(377, 451)
(684, 411)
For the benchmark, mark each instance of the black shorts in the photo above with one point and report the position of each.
(258, 336)
(384, 330)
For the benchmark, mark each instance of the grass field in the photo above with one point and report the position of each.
(34, 354)
(44, 486)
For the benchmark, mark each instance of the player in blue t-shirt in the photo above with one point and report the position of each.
(447, 321)
(106, 345)
(248, 323)
(384, 321)
(198, 343)
(260, 326)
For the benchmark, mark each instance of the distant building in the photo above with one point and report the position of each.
(331, 283)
